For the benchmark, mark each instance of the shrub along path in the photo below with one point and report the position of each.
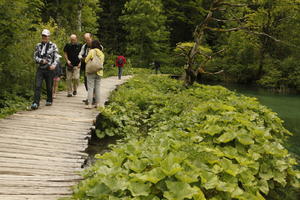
(42, 151)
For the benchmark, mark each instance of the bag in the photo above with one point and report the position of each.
(120, 61)
(94, 65)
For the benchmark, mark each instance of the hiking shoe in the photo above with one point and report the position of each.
(86, 102)
(94, 101)
(88, 107)
(48, 103)
(74, 93)
(69, 95)
(34, 106)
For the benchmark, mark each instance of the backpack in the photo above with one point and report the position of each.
(120, 61)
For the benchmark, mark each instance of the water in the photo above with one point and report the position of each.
(286, 105)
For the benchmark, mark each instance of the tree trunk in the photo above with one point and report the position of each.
(79, 20)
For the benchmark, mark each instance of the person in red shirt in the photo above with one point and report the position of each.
(120, 61)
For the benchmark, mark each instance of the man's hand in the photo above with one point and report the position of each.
(52, 67)
(69, 63)
(44, 61)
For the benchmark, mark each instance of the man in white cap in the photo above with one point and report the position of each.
(46, 56)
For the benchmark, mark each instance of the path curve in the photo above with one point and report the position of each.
(42, 151)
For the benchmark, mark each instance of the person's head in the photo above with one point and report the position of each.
(73, 39)
(88, 38)
(45, 36)
(96, 45)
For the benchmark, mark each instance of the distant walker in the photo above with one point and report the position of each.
(120, 61)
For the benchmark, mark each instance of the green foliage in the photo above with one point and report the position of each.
(74, 16)
(147, 38)
(11, 103)
(240, 59)
(265, 53)
(176, 70)
(182, 50)
(110, 68)
(182, 18)
(111, 32)
(204, 142)
(19, 35)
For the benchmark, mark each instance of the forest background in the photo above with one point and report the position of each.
(263, 50)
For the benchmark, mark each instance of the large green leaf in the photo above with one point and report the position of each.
(179, 191)
(99, 190)
(209, 180)
(227, 137)
(139, 188)
(153, 176)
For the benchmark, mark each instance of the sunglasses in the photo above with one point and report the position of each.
(45, 36)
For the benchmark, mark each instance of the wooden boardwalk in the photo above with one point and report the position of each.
(42, 151)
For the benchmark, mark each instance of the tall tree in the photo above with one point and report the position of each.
(182, 18)
(111, 32)
(147, 38)
(269, 18)
(15, 48)
(74, 16)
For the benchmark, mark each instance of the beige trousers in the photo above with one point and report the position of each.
(72, 79)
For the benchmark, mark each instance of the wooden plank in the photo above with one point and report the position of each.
(43, 119)
(44, 139)
(37, 133)
(37, 171)
(60, 116)
(35, 191)
(54, 150)
(41, 152)
(27, 183)
(42, 128)
(50, 135)
(46, 123)
(20, 161)
(71, 147)
(35, 158)
(28, 143)
(31, 197)
(52, 178)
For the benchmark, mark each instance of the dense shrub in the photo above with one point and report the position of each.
(204, 142)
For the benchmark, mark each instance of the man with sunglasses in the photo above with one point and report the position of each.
(46, 56)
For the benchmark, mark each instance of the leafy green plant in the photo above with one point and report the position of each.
(204, 142)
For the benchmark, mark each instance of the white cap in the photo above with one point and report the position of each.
(46, 32)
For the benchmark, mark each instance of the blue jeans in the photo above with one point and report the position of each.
(120, 71)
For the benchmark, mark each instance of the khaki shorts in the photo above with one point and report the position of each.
(75, 74)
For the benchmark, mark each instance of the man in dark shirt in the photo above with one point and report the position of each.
(71, 51)
(83, 54)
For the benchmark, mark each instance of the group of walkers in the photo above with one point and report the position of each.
(86, 59)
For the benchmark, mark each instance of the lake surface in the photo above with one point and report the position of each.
(286, 105)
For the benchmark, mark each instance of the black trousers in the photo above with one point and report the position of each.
(82, 70)
(120, 71)
(47, 75)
